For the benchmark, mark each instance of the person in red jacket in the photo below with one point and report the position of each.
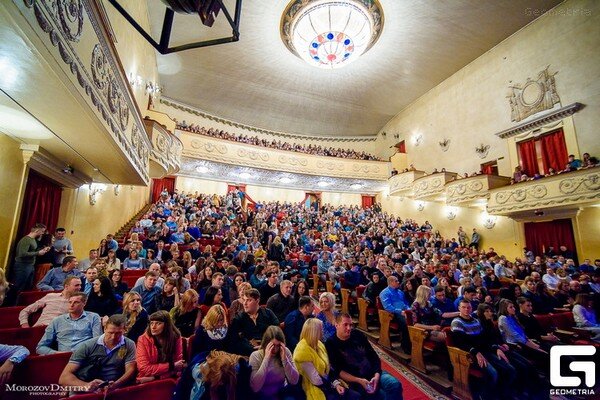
(159, 352)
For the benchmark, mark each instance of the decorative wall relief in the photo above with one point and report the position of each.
(533, 96)
(586, 183)
(482, 151)
(444, 144)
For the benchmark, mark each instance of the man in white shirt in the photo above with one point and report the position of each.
(550, 279)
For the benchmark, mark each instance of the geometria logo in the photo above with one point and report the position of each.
(570, 384)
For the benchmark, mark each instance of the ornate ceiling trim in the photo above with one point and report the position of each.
(195, 111)
(545, 119)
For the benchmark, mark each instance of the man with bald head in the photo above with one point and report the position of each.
(154, 267)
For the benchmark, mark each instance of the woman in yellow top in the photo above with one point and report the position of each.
(312, 362)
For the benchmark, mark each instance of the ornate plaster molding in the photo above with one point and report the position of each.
(431, 186)
(574, 189)
(474, 188)
(402, 184)
(66, 25)
(224, 151)
(533, 96)
(540, 121)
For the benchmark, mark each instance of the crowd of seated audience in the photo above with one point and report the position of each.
(278, 144)
(245, 295)
(572, 164)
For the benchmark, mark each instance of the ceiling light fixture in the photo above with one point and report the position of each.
(245, 175)
(322, 184)
(331, 33)
(356, 186)
(201, 169)
(286, 179)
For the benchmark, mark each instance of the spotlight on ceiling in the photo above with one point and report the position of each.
(207, 10)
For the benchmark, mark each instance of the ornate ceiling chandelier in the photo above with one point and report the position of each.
(331, 33)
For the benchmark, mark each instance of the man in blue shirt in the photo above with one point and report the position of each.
(444, 305)
(55, 277)
(66, 331)
(148, 291)
(392, 300)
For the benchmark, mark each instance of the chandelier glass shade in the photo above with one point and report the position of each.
(331, 33)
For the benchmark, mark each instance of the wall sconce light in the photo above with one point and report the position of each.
(396, 136)
(489, 221)
(451, 212)
(117, 189)
(153, 89)
(420, 205)
(95, 189)
(418, 139)
(384, 133)
(135, 80)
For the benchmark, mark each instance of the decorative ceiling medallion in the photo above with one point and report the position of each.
(331, 33)
(533, 96)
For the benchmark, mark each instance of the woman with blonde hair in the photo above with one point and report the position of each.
(187, 260)
(273, 367)
(184, 316)
(328, 314)
(211, 334)
(425, 316)
(136, 315)
(310, 357)
(276, 250)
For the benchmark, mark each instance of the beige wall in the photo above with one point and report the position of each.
(12, 172)
(471, 106)
(263, 193)
(136, 54)
(87, 224)
(587, 233)
(506, 237)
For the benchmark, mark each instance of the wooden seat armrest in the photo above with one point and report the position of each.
(563, 332)
(461, 362)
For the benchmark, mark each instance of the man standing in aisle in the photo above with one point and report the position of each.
(475, 238)
(26, 253)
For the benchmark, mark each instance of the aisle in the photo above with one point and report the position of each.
(413, 387)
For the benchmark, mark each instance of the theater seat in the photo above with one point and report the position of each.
(27, 298)
(28, 337)
(419, 342)
(162, 389)
(40, 371)
(9, 317)
(462, 363)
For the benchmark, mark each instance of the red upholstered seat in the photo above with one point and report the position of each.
(27, 298)
(28, 337)
(162, 389)
(130, 281)
(39, 371)
(9, 317)
(133, 272)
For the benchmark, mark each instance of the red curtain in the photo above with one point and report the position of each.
(487, 169)
(41, 203)
(367, 201)
(540, 235)
(159, 184)
(401, 147)
(231, 188)
(554, 151)
(528, 157)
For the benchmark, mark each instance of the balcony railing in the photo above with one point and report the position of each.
(474, 190)
(246, 155)
(432, 187)
(402, 184)
(165, 156)
(563, 190)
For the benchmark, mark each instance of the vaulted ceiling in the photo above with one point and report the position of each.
(258, 82)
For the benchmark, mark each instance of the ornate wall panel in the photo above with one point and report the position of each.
(467, 191)
(431, 186)
(223, 151)
(72, 31)
(402, 184)
(573, 188)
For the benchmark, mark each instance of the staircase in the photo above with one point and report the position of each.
(121, 234)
